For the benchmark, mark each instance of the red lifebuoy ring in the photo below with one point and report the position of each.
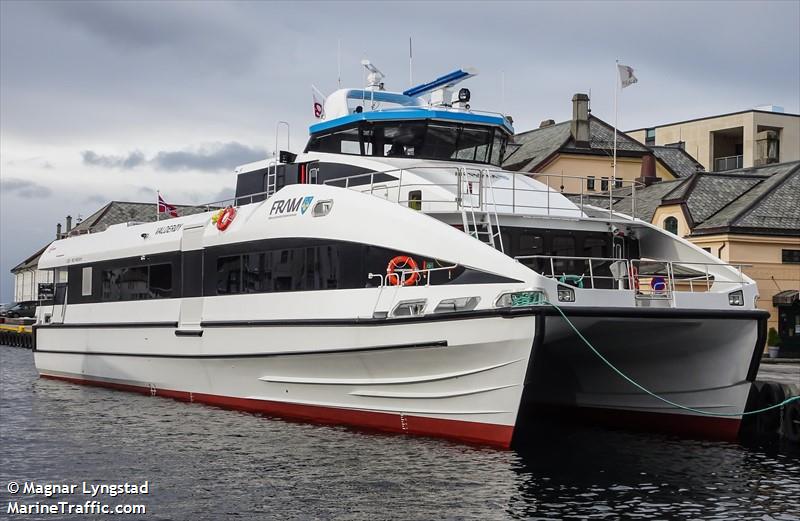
(402, 260)
(226, 218)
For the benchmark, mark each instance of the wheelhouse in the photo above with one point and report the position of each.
(415, 133)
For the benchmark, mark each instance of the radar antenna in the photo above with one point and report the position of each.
(375, 76)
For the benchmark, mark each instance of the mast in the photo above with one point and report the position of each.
(616, 73)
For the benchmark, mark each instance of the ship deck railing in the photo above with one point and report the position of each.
(474, 188)
(650, 278)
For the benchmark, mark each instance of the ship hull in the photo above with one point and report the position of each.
(705, 360)
(460, 379)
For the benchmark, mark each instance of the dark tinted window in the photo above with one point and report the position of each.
(160, 281)
(229, 274)
(136, 283)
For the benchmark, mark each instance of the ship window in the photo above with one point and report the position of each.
(86, 281)
(530, 243)
(160, 281)
(125, 284)
(418, 139)
(594, 246)
(229, 274)
(473, 144)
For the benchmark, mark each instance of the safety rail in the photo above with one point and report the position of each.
(619, 271)
(481, 195)
(400, 275)
(651, 278)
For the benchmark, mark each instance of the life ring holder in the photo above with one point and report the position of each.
(226, 218)
(393, 279)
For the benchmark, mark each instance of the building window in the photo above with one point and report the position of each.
(590, 183)
(790, 256)
(603, 184)
(671, 225)
(617, 183)
(708, 250)
(650, 136)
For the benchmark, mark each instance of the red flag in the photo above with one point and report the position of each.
(164, 207)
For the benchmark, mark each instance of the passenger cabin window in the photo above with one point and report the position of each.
(136, 282)
(416, 139)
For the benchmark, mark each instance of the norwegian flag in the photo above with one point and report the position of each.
(165, 207)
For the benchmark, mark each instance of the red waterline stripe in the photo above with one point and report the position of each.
(464, 431)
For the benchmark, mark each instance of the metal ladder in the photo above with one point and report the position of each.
(476, 219)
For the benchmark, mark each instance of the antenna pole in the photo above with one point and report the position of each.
(339, 61)
(410, 64)
(616, 115)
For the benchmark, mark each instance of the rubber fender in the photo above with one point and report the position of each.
(770, 394)
(791, 421)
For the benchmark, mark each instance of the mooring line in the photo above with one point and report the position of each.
(651, 393)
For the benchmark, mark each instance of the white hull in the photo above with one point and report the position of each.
(453, 378)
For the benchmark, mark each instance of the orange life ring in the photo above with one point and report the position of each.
(396, 262)
(226, 218)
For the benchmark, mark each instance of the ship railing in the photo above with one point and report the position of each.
(650, 278)
(582, 272)
(686, 276)
(469, 190)
(400, 275)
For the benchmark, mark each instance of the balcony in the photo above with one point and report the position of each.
(727, 163)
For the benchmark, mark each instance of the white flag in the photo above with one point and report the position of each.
(319, 103)
(626, 76)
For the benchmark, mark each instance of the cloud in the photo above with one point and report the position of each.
(132, 160)
(214, 157)
(25, 189)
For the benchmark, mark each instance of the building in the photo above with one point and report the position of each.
(744, 139)
(747, 216)
(31, 283)
(576, 155)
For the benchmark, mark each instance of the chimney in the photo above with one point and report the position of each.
(547, 123)
(69, 223)
(648, 173)
(579, 126)
(58, 231)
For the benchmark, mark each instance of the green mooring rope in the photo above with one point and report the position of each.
(651, 393)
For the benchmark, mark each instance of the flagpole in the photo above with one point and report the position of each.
(616, 115)
(158, 214)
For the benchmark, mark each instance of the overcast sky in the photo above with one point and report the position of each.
(113, 100)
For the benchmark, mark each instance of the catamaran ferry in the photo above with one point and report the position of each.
(393, 276)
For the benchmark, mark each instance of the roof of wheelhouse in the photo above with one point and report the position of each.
(338, 113)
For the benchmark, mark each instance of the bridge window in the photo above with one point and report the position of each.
(671, 225)
(418, 139)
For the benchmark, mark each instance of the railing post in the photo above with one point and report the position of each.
(513, 193)
(633, 199)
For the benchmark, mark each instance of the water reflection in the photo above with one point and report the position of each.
(208, 463)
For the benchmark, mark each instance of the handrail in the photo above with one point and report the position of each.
(633, 276)
(400, 275)
(584, 198)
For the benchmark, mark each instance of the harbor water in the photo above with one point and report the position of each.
(205, 463)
